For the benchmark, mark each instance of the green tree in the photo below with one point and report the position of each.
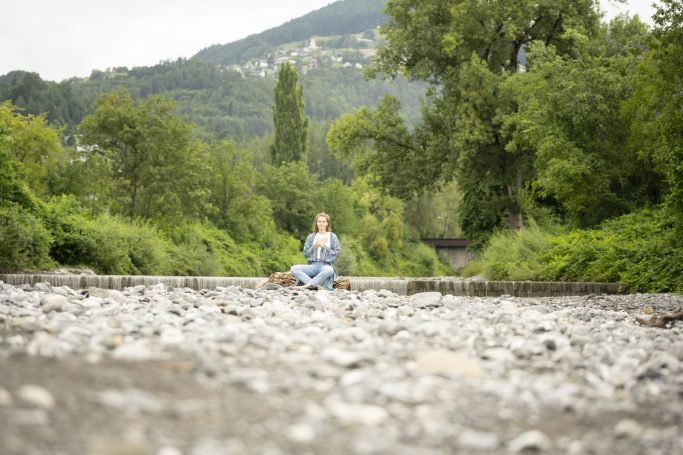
(289, 120)
(85, 176)
(656, 105)
(13, 187)
(566, 109)
(34, 144)
(465, 50)
(294, 195)
(24, 241)
(157, 169)
(321, 161)
(434, 214)
(239, 209)
(379, 144)
(338, 200)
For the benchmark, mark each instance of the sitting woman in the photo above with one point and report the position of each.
(320, 250)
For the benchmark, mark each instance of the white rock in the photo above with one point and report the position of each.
(478, 440)
(532, 440)
(356, 413)
(499, 355)
(91, 302)
(111, 294)
(131, 401)
(628, 428)
(36, 396)
(53, 302)
(341, 357)
(172, 336)
(135, 351)
(301, 433)
(448, 362)
(426, 300)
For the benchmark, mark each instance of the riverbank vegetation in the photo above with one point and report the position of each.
(142, 195)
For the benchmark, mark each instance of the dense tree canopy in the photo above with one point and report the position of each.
(524, 101)
(657, 102)
(156, 167)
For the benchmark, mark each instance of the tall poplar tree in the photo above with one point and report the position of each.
(291, 125)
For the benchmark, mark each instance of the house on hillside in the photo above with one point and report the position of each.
(368, 53)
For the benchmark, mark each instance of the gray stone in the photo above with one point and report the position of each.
(532, 440)
(426, 300)
(628, 428)
(478, 440)
(53, 302)
(43, 287)
(373, 371)
(366, 415)
(130, 401)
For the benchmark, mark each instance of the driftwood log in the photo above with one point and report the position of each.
(286, 279)
(664, 320)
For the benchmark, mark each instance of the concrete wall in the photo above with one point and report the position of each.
(404, 286)
(456, 257)
(454, 251)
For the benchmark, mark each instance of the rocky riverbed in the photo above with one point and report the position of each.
(155, 370)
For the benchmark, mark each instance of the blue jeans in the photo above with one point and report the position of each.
(312, 274)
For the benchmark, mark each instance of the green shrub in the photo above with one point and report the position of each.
(472, 269)
(639, 249)
(347, 261)
(277, 253)
(415, 259)
(107, 244)
(515, 255)
(203, 249)
(24, 241)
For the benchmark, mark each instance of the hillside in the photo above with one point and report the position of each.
(345, 17)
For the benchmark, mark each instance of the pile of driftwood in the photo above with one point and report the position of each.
(664, 320)
(286, 279)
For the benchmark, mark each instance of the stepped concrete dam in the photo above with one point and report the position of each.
(403, 286)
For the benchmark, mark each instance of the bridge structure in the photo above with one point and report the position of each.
(454, 250)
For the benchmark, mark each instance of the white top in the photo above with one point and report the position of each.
(326, 238)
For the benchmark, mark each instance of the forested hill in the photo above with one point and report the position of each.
(343, 17)
(226, 102)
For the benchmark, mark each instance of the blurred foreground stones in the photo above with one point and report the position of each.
(157, 370)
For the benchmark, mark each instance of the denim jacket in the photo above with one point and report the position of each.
(328, 255)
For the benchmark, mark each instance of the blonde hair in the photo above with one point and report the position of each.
(315, 221)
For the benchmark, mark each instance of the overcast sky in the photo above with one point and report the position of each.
(60, 39)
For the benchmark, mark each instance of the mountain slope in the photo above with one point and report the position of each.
(344, 17)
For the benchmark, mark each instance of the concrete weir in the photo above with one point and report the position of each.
(403, 286)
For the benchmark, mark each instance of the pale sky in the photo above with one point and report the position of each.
(60, 39)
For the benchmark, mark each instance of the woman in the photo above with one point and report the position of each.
(320, 250)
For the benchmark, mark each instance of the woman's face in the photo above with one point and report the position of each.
(321, 223)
